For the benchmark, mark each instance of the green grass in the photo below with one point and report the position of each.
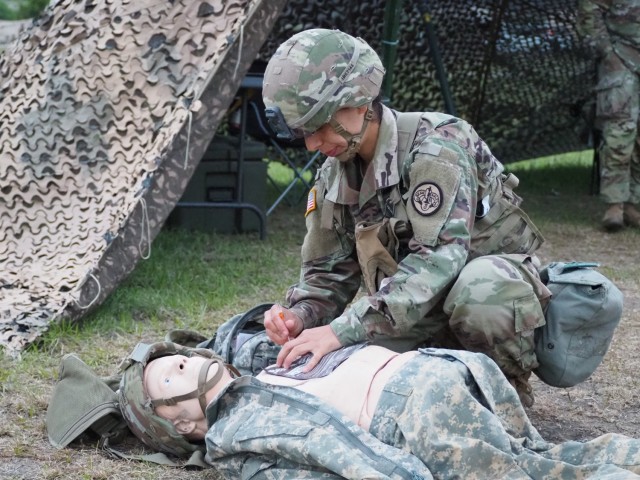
(557, 189)
(22, 9)
(190, 277)
(569, 173)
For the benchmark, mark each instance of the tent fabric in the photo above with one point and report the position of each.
(106, 107)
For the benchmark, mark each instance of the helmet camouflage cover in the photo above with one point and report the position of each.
(317, 72)
(135, 404)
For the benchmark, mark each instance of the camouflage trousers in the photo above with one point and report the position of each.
(493, 307)
(456, 412)
(618, 116)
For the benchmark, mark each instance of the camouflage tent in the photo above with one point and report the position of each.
(106, 107)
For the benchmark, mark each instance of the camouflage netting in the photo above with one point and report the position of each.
(516, 69)
(106, 107)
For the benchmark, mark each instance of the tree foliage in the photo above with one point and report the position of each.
(21, 9)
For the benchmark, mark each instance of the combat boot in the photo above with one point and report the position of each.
(523, 388)
(613, 219)
(631, 215)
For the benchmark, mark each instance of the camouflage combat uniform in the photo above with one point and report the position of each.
(437, 235)
(612, 28)
(453, 410)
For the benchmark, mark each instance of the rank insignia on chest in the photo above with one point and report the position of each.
(427, 198)
(312, 202)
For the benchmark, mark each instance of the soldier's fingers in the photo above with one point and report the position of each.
(274, 322)
(276, 338)
(278, 319)
(296, 352)
(284, 352)
(284, 329)
(312, 362)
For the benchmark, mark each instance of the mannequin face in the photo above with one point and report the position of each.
(327, 140)
(174, 375)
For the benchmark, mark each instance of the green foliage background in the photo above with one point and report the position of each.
(21, 9)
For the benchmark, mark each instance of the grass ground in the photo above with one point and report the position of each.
(197, 281)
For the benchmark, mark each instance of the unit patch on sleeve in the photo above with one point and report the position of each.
(312, 202)
(433, 186)
(427, 198)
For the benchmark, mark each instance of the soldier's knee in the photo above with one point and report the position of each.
(491, 305)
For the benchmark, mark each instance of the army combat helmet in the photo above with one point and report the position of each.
(314, 74)
(138, 409)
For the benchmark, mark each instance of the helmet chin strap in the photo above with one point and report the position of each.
(354, 140)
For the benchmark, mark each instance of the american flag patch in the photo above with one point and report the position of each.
(311, 201)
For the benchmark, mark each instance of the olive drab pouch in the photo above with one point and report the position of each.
(243, 342)
(94, 401)
(377, 247)
(583, 313)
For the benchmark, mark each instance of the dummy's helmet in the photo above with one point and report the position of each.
(137, 407)
(313, 75)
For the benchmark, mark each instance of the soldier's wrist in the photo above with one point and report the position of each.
(347, 331)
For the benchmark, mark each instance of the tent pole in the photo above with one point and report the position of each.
(434, 47)
(390, 45)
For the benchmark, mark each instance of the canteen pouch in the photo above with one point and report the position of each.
(82, 401)
(583, 313)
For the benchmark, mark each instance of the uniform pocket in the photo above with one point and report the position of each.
(614, 95)
(506, 229)
(528, 314)
(251, 430)
(254, 465)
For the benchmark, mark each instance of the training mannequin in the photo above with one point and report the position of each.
(435, 413)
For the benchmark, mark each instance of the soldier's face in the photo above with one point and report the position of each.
(328, 141)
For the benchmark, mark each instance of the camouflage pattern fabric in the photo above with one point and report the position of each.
(447, 156)
(292, 83)
(242, 341)
(456, 412)
(106, 108)
(494, 307)
(612, 29)
(452, 410)
(257, 430)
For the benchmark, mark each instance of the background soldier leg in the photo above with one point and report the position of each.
(617, 110)
(631, 208)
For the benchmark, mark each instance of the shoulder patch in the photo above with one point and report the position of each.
(433, 187)
(312, 202)
(427, 198)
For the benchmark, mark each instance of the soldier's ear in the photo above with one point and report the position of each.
(184, 426)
